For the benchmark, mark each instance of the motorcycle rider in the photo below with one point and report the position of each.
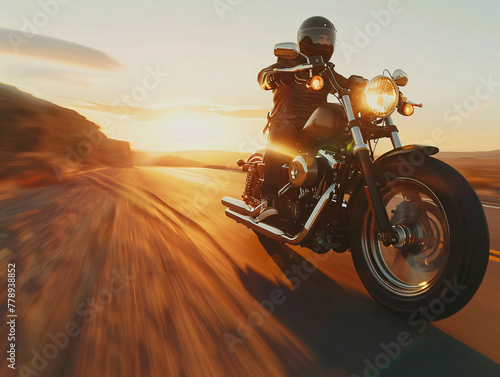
(293, 104)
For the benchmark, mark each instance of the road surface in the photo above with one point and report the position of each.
(138, 272)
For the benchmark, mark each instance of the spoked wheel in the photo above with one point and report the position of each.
(440, 258)
(411, 266)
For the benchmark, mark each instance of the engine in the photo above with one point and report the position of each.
(308, 178)
(306, 171)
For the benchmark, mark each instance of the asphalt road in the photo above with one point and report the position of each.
(138, 272)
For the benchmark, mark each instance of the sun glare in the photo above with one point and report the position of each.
(188, 127)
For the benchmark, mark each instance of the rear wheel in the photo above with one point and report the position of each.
(440, 260)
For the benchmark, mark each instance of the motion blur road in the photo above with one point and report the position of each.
(138, 272)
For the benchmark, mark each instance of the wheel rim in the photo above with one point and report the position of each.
(414, 265)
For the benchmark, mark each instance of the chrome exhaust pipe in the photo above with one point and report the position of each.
(273, 232)
(240, 207)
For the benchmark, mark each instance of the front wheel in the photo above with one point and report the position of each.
(440, 259)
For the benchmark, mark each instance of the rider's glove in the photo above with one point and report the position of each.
(278, 78)
(302, 76)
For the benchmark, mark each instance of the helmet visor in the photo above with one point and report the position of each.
(322, 38)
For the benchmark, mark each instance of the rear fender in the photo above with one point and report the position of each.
(256, 157)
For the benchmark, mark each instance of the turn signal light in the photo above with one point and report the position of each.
(316, 83)
(409, 109)
(406, 109)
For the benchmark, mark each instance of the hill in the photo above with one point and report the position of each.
(482, 154)
(194, 158)
(42, 141)
(176, 161)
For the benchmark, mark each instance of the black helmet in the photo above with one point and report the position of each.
(316, 36)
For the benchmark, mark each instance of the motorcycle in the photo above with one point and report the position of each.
(415, 228)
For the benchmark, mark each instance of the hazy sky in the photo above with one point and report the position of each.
(170, 75)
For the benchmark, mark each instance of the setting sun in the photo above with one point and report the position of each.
(188, 127)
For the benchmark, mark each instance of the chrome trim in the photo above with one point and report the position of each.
(297, 68)
(289, 50)
(305, 57)
(400, 77)
(286, 50)
(331, 161)
(285, 189)
(319, 207)
(309, 172)
(403, 233)
(374, 256)
(359, 143)
(396, 89)
(302, 161)
(396, 141)
(415, 104)
(240, 206)
(346, 100)
(277, 234)
(265, 214)
(265, 229)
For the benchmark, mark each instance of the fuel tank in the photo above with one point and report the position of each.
(327, 123)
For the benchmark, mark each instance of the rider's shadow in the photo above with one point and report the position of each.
(351, 334)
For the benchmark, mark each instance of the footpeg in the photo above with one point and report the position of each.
(240, 207)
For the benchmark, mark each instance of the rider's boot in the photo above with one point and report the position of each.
(268, 208)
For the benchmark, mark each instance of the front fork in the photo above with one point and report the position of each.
(387, 234)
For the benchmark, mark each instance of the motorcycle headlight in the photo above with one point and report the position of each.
(382, 96)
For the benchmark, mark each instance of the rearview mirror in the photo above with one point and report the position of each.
(286, 50)
(400, 77)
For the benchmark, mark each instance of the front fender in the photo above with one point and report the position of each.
(412, 149)
(415, 154)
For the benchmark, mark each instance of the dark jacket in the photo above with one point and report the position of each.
(294, 102)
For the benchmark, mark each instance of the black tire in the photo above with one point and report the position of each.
(451, 269)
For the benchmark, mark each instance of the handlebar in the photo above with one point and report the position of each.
(403, 99)
(415, 104)
(311, 67)
(297, 68)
